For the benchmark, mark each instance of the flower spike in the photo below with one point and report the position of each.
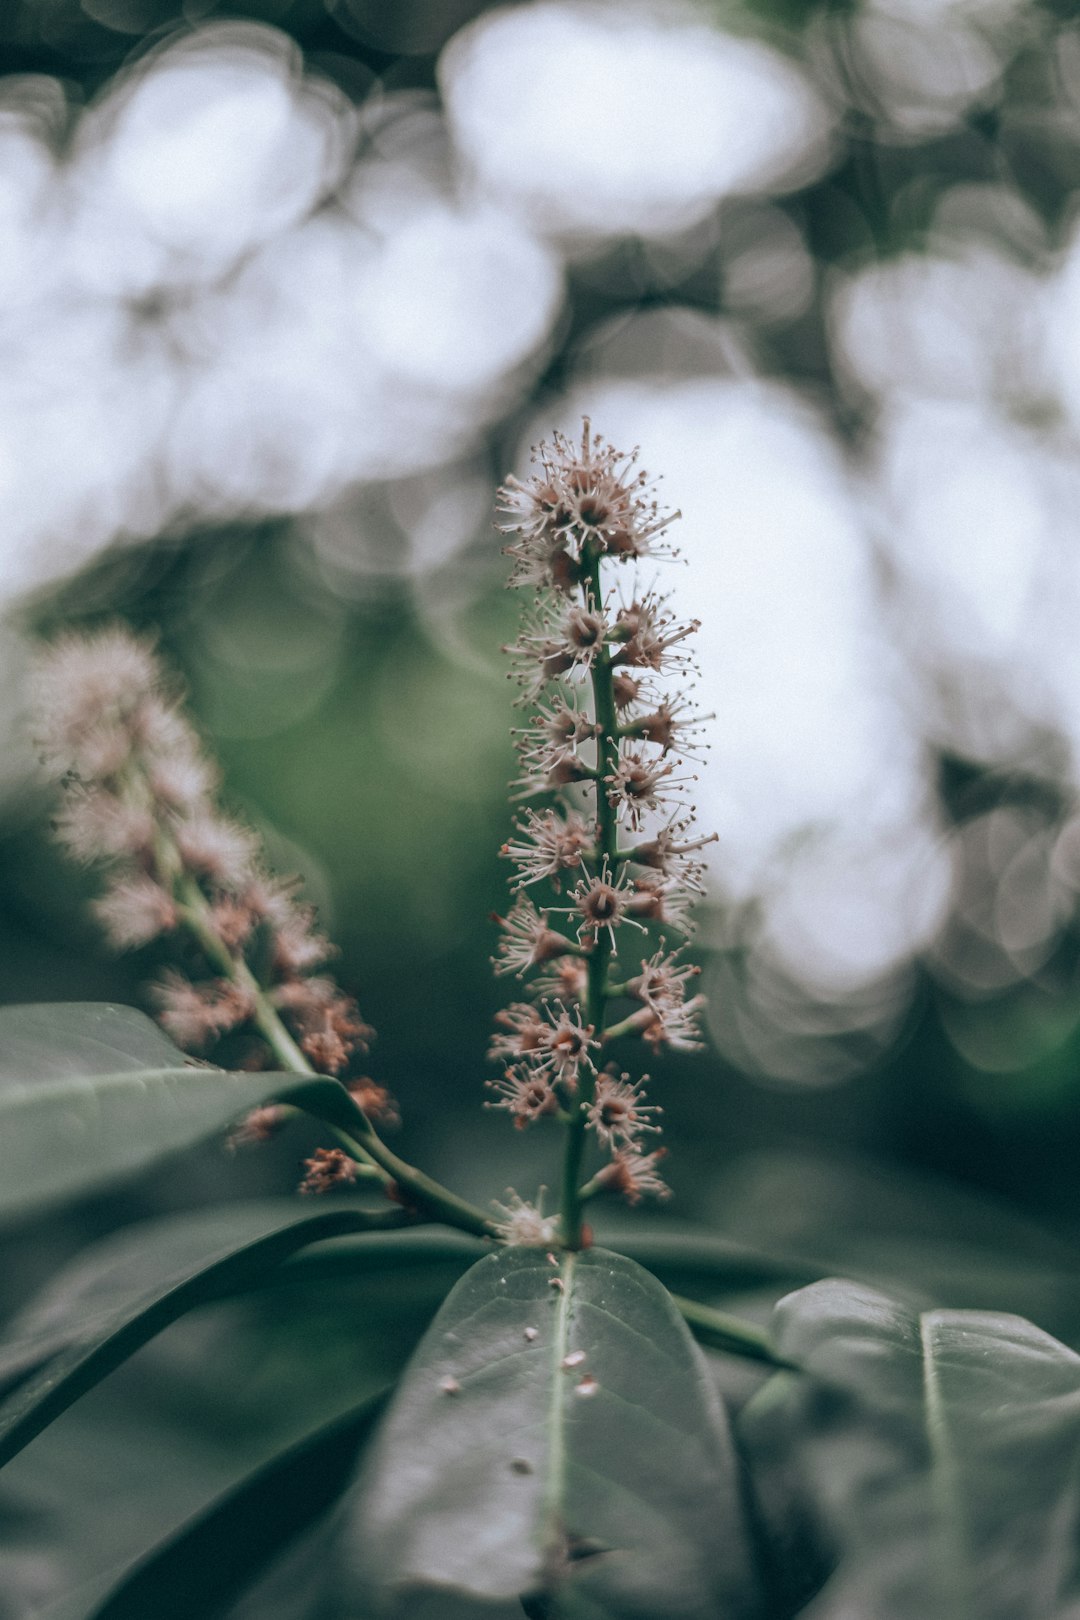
(607, 743)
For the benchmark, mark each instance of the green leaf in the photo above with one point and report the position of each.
(250, 1533)
(53, 1040)
(98, 1312)
(208, 1561)
(557, 1436)
(90, 1092)
(211, 1399)
(936, 1452)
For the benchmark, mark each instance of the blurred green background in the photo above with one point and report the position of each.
(279, 455)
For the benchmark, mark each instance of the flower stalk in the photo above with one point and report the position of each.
(607, 840)
(605, 745)
(605, 863)
(138, 799)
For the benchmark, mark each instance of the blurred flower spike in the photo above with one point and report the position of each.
(138, 798)
(606, 743)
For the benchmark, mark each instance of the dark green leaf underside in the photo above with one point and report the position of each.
(219, 1394)
(126, 1290)
(937, 1452)
(210, 1560)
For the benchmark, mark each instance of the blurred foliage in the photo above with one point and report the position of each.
(320, 568)
(362, 721)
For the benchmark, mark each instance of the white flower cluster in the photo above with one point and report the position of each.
(138, 797)
(607, 743)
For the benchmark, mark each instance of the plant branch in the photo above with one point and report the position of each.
(195, 912)
(628, 1026)
(723, 1332)
(412, 1187)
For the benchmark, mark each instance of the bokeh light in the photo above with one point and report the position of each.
(282, 297)
(208, 148)
(918, 66)
(196, 332)
(816, 779)
(601, 120)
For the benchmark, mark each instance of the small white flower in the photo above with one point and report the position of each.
(525, 1226)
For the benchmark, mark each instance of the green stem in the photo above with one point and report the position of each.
(629, 1026)
(428, 1196)
(589, 1190)
(415, 1188)
(607, 838)
(730, 1333)
(573, 1157)
(195, 912)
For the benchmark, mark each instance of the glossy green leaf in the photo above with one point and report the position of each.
(99, 1311)
(53, 1040)
(934, 1455)
(557, 1436)
(90, 1092)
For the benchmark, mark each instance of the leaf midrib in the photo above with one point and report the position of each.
(48, 1086)
(553, 1521)
(952, 1558)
